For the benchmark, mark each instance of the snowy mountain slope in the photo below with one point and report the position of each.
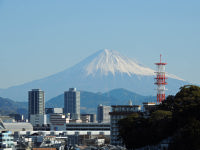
(103, 71)
(111, 61)
(106, 62)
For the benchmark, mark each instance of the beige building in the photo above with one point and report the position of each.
(58, 122)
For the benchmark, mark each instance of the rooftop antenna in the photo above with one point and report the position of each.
(130, 103)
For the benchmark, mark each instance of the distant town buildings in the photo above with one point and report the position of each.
(119, 112)
(103, 114)
(17, 117)
(66, 126)
(36, 102)
(6, 119)
(72, 103)
(86, 118)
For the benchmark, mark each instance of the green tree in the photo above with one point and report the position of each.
(177, 117)
(188, 137)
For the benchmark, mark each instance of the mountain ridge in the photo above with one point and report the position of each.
(90, 100)
(8, 106)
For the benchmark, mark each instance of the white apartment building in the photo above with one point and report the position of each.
(119, 112)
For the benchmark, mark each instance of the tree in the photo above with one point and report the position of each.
(177, 117)
(188, 137)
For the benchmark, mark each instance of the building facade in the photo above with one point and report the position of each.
(148, 106)
(103, 114)
(38, 120)
(72, 103)
(18, 126)
(88, 127)
(36, 102)
(6, 140)
(119, 112)
(58, 122)
(86, 118)
(53, 110)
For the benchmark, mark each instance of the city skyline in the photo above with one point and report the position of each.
(41, 38)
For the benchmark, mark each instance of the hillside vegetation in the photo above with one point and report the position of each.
(8, 106)
(178, 117)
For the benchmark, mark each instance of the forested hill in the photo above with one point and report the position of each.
(8, 106)
(178, 117)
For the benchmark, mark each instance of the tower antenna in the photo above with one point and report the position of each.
(160, 57)
(160, 80)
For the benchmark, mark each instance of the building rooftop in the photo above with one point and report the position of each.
(49, 148)
(36, 90)
(125, 106)
(149, 103)
(18, 126)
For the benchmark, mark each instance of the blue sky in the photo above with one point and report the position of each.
(42, 37)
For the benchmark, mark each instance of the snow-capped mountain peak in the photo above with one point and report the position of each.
(109, 61)
(100, 72)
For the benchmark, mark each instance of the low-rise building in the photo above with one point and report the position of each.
(73, 137)
(38, 119)
(7, 119)
(88, 127)
(18, 126)
(148, 106)
(48, 148)
(6, 139)
(103, 114)
(53, 110)
(58, 122)
(86, 118)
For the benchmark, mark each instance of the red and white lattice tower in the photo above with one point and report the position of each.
(160, 81)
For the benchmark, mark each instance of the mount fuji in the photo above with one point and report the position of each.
(103, 71)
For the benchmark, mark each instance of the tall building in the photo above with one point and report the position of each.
(119, 112)
(103, 114)
(36, 102)
(72, 103)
